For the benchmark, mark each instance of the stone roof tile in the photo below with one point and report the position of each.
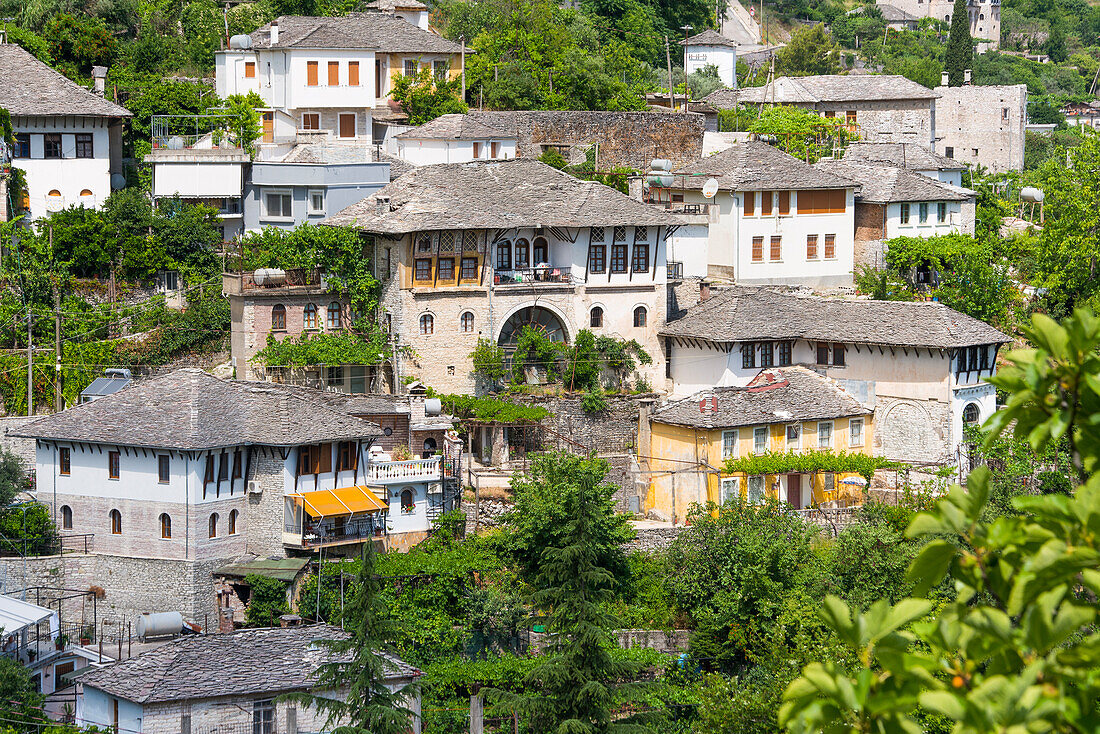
(836, 88)
(376, 31)
(883, 183)
(754, 166)
(30, 88)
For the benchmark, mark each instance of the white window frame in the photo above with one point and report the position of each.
(797, 445)
(852, 423)
(760, 491)
(310, 209)
(267, 215)
(820, 425)
(730, 449)
(755, 444)
(405, 67)
(729, 489)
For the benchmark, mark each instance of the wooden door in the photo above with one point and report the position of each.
(794, 491)
(347, 124)
(269, 127)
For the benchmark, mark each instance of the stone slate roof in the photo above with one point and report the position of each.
(894, 14)
(709, 38)
(247, 662)
(723, 99)
(907, 155)
(744, 314)
(191, 410)
(455, 127)
(375, 31)
(776, 395)
(836, 88)
(486, 195)
(389, 6)
(30, 88)
(883, 183)
(757, 166)
(283, 569)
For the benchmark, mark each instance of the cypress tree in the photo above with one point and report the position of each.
(960, 47)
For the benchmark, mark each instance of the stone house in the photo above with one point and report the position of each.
(985, 17)
(911, 156)
(455, 138)
(205, 684)
(922, 367)
(481, 250)
(782, 409)
(982, 125)
(711, 48)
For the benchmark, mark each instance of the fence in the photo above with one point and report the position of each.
(44, 546)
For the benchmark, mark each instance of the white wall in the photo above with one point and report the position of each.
(69, 175)
(96, 708)
(281, 77)
(199, 179)
(932, 227)
(428, 152)
(722, 57)
(688, 245)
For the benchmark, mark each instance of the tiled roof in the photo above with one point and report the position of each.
(243, 663)
(191, 410)
(455, 127)
(894, 14)
(709, 38)
(283, 569)
(377, 31)
(752, 166)
(723, 99)
(744, 314)
(389, 6)
(486, 195)
(836, 88)
(882, 183)
(907, 155)
(776, 395)
(30, 88)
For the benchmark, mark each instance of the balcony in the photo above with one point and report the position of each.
(545, 275)
(393, 472)
(674, 270)
(307, 280)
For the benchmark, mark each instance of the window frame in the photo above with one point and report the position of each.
(758, 249)
(116, 521)
(639, 259)
(762, 488)
(767, 354)
(786, 353)
(597, 258)
(311, 120)
(422, 269)
(904, 213)
(797, 444)
(725, 493)
(852, 423)
(643, 313)
(278, 317)
(313, 73)
(472, 272)
(811, 247)
(832, 441)
(310, 321)
(427, 324)
(941, 212)
(446, 274)
(22, 147)
(165, 522)
(353, 74)
(334, 316)
(839, 355)
(164, 468)
(310, 208)
(85, 145)
(775, 248)
(212, 526)
(233, 515)
(748, 355)
(466, 322)
(66, 517)
(758, 431)
(829, 248)
(64, 461)
(48, 141)
(504, 255)
(731, 448)
(285, 195)
(333, 74)
(114, 465)
(922, 212)
(595, 317)
(619, 258)
(823, 348)
(409, 68)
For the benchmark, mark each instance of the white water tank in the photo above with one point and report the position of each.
(159, 624)
(433, 406)
(240, 41)
(1032, 194)
(269, 276)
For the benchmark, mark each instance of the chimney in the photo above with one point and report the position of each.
(290, 620)
(274, 32)
(709, 404)
(704, 290)
(966, 77)
(944, 79)
(99, 75)
(381, 204)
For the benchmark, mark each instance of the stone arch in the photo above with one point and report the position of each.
(507, 323)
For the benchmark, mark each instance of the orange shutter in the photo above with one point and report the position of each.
(758, 249)
(750, 203)
(765, 203)
(807, 202)
(250, 70)
(811, 247)
(784, 203)
(311, 73)
(334, 73)
(353, 73)
(776, 248)
(830, 246)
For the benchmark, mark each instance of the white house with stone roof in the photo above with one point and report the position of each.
(921, 366)
(455, 139)
(911, 156)
(711, 48)
(68, 139)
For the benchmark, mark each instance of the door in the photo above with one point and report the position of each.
(358, 379)
(347, 124)
(794, 491)
(269, 127)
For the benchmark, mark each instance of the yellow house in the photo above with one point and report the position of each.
(786, 410)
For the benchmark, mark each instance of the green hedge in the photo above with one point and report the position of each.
(815, 461)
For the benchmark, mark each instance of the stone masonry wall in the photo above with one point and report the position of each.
(889, 121)
(912, 430)
(21, 447)
(613, 431)
(264, 516)
(870, 221)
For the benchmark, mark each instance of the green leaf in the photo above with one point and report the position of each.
(930, 565)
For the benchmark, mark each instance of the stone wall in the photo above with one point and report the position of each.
(654, 539)
(982, 125)
(889, 120)
(912, 430)
(264, 515)
(667, 642)
(614, 431)
(21, 447)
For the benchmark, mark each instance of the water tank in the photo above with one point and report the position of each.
(1031, 194)
(663, 180)
(159, 624)
(119, 372)
(240, 41)
(433, 406)
(269, 276)
(661, 164)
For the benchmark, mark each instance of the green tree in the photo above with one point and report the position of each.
(78, 44)
(243, 120)
(266, 601)
(802, 133)
(360, 667)
(960, 47)
(1055, 47)
(13, 478)
(20, 701)
(488, 361)
(427, 96)
(811, 50)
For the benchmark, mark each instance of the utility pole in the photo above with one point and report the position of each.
(30, 363)
(687, 89)
(668, 62)
(57, 350)
(462, 41)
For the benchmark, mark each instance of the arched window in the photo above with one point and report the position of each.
(504, 256)
(87, 198)
(233, 522)
(981, 16)
(214, 525)
(540, 256)
(467, 322)
(522, 252)
(86, 192)
(116, 522)
(595, 317)
(278, 318)
(54, 202)
(334, 315)
(165, 525)
(429, 448)
(971, 414)
(309, 317)
(408, 502)
(427, 324)
(66, 517)
(639, 316)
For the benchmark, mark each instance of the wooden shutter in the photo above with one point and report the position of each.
(784, 203)
(250, 70)
(776, 248)
(750, 203)
(353, 73)
(830, 246)
(209, 476)
(757, 249)
(334, 73)
(765, 203)
(807, 202)
(324, 459)
(311, 73)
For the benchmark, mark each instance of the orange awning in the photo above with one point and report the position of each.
(343, 501)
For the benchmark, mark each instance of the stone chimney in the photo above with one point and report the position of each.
(944, 79)
(704, 290)
(290, 620)
(966, 77)
(274, 32)
(381, 204)
(99, 75)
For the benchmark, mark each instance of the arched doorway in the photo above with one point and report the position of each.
(543, 321)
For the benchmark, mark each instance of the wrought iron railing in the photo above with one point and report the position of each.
(675, 270)
(533, 276)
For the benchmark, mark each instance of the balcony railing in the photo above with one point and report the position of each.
(334, 532)
(675, 270)
(533, 276)
(401, 471)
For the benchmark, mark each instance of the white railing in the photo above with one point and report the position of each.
(395, 471)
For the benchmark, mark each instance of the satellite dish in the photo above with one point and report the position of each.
(710, 188)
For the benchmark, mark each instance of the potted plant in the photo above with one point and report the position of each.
(86, 635)
(61, 641)
(400, 453)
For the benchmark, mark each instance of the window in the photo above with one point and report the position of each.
(639, 317)
(347, 122)
(66, 517)
(51, 143)
(476, 150)
(22, 145)
(250, 70)
(335, 376)
(922, 208)
(316, 201)
(756, 490)
(504, 256)
(828, 481)
(523, 250)
(165, 526)
(233, 522)
(469, 241)
(811, 247)
(334, 73)
(408, 502)
(971, 414)
(346, 456)
(223, 468)
(469, 268)
(729, 444)
(824, 435)
(467, 322)
(353, 73)
(87, 198)
(427, 324)
(784, 202)
(112, 464)
(785, 349)
(116, 522)
(278, 318)
(238, 469)
(750, 203)
(794, 437)
(850, 117)
(619, 233)
(446, 242)
(830, 247)
(855, 431)
(309, 317)
(311, 74)
(596, 234)
(213, 533)
(597, 259)
(494, 150)
(983, 358)
(263, 717)
(618, 258)
(208, 475)
(760, 439)
(905, 214)
(85, 148)
(335, 315)
(640, 261)
(823, 353)
(540, 255)
(941, 212)
(439, 69)
(64, 465)
(776, 248)
(748, 355)
(823, 201)
(311, 121)
(974, 152)
(767, 354)
(595, 317)
(445, 268)
(731, 490)
(278, 205)
(766, 203)
(164, 468)
(838, 355)
(410, 67)
(949, 152)
(423, 269)
(758, 249)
